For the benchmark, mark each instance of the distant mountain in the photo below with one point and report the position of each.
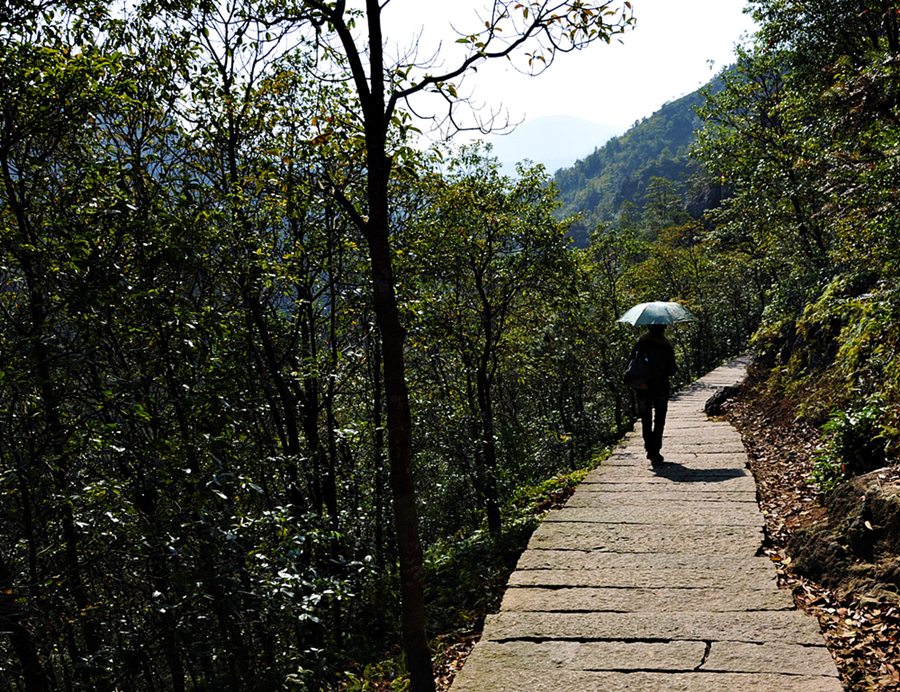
(615, 178)
(555, 141)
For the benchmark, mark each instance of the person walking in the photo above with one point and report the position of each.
(652, 364)
(653, 392)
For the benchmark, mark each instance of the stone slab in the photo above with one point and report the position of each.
(786, 627)
(693, 437)
(704, 458)
(484, 676)
(659, 484)
(660, 599)
(663, 498)
(737, 514)
(698, 433)
(638, 538)
(734, 452)
(698, 423)
(669, 474)
(770, 657)
(679, 656)
(662, 494)
(578, 571)
(595, 655)
(685, 460)
(658, 562)
(688, 458)
(634, 448)
(644, 578)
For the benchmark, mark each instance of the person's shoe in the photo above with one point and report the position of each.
(656, 459)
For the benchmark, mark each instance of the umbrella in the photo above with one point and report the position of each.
(657, 312)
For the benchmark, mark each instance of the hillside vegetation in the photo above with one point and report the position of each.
(632, 173)
(786, 166)
(804, 135)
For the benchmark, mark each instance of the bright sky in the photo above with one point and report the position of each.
(675, 47)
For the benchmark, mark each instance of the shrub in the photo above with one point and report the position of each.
(853, 444)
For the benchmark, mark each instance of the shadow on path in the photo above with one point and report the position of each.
(682, 474)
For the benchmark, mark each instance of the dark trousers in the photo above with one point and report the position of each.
(652, 408)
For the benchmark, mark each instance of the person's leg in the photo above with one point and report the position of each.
(645, 411)
(661, 408)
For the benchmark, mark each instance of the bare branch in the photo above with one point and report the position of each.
(547, 28)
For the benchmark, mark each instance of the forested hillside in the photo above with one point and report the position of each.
(282, 395)
(804, 136)
(633, 175)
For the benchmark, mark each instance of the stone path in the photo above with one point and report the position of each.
(650, 580)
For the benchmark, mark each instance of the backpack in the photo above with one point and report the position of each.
(638, 371)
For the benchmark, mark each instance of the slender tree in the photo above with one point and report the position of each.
(540, 31)
(501, 255)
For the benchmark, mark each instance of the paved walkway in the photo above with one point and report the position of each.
(650, 580)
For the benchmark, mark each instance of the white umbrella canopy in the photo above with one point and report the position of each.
(657, 312)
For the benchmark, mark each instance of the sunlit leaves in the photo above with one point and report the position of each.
(805, 133)
(492, 270)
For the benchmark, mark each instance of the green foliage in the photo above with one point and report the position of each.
(467, 575)
(487, 273)
(827, 471)
(841, 351)
(389, 674)
(853, 443)
(533, 499)
(804, 132)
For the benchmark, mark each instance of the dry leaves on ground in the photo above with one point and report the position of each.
(862, 633)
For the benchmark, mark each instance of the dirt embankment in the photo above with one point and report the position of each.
(841, 554)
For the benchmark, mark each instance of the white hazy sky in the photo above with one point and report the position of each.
(675, 47)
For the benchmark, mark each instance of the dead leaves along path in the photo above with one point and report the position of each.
(650, 580)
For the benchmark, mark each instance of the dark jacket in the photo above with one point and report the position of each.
(661, 354)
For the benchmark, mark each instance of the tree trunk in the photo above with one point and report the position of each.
(330, 485)
(33, 674)
(376, 228)
(619, 406)
(489, 451)
(311, 401)
(331, 494)
(378, 455)
(399, 423)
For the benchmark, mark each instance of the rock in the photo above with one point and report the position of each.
(857, 548)
(713, 406)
